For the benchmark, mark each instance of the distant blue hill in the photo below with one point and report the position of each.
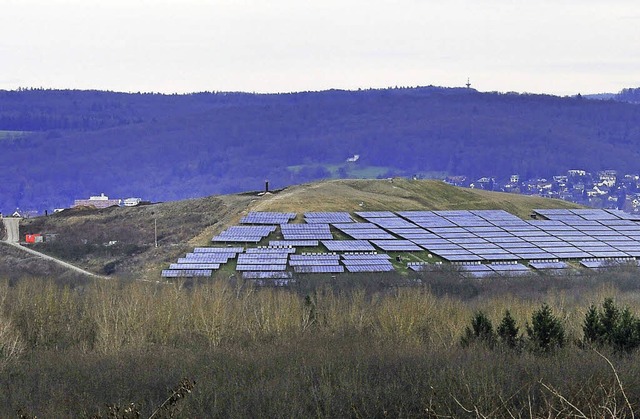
(57, 145)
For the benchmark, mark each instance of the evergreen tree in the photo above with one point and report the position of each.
(608, 320)
(546, 331)
(508, 331)
(624, 336)
(481, 330)
(591, 327)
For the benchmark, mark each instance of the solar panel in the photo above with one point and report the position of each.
(247, 234)
(369, 268)
(608, 254)
(374, 214)
(306, 232)
(267, 218)
(305, 256)
(534, 255)
(465, 235)
(435, 223)
(327, 217)
(270, 250)
(395, 222)
(294, 243)
(318, 269)
(548, 265)
(593, 264)
(509, 268)
(397, 245)
(261, 261)
(469, 240)
(498, 257)
(356, 256)
(423, 266)
(219, 259)
(349, 262)
(272, 267)
(354, 226)
(348, 245)
(477, 270)
(183, 266)
(266, 275)
(577, 254)
(218, 250)
(456, 256)
(314, 262)
(187, 273)
(369, 235)
(507, 239)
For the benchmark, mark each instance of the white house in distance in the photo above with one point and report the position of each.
(101, 201)
(353, 159)
(132, 202)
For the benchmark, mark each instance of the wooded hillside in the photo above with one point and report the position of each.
(61, 145)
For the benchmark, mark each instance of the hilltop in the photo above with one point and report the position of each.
(120, 241)
(57, 146)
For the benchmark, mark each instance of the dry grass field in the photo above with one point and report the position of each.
(70, 350)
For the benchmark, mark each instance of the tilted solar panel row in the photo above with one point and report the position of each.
(318, 269)
(190, 273)
(266, 275)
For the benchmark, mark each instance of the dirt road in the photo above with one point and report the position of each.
(12, 225)
(58, 261)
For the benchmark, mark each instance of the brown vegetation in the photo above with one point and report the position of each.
(324, 353)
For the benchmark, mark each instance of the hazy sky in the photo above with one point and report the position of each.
(542, 46)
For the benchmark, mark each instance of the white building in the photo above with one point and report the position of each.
(132, 202)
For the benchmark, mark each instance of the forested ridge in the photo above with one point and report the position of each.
(58, 145)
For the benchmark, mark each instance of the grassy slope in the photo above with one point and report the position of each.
(399, 194)
(183, 225)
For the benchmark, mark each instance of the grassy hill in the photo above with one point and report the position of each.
(120, 241)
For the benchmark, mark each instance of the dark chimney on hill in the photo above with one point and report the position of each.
(266, 186)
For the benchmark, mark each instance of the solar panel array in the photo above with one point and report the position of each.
(244, 234)
(348, 245)
(327, 217)
(201, 262)
(294, 243)
(190, 273)
(606, 263)
(368, 262)
(496, 268)
(549, 265)
(266, 275)
(264, 259)
(490, 236)
(363, 231)
(316, 263)
(499, 236)
(270, 218)
(306, 232)
(397, 245)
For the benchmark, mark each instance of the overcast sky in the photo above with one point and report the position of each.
(540, 46)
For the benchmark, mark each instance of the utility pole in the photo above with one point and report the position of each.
(155, 229)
